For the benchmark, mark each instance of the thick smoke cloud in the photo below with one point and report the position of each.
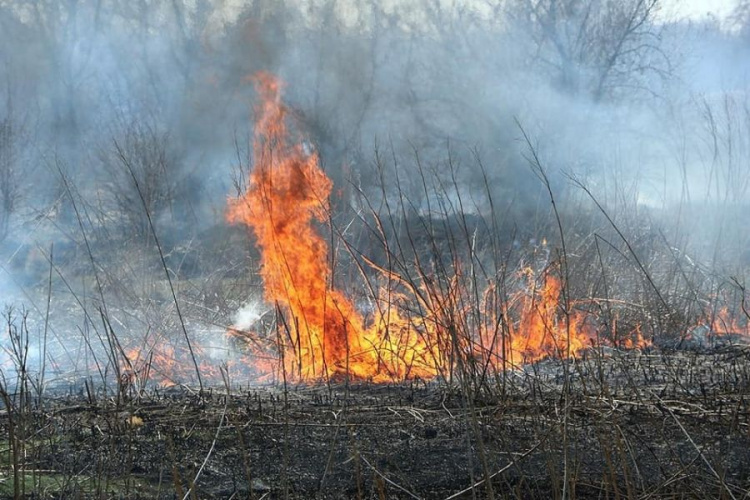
(650, 113)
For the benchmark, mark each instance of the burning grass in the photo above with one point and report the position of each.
(450, 309)
(420, 328)
(445, 364)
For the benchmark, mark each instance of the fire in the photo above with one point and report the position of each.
(725, 323)
(636, 340)
(287, 193)
(418, 330)
(543, 329)
(141, 365)
(631, 339)
(165, 365)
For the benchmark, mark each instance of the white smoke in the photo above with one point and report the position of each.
(249, 315)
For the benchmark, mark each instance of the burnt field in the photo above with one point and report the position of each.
(359, 249)
(655, 424)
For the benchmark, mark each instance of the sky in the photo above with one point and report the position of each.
(698, 9)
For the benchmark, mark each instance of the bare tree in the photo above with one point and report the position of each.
(605, 48)
(66, 33)
(10, 189)
(182, 25)
(144, 153)
(740, 18)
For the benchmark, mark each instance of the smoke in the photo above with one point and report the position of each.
(247, 317)
(119, 108)
(410, 76)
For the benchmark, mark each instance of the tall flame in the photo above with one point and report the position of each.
(287, 193)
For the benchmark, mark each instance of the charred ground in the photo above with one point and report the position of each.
(656, 424)
(539, 206)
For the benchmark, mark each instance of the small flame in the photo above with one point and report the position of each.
(636, 340)
(725, 323)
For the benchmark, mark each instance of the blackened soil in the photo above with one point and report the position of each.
(621, 424)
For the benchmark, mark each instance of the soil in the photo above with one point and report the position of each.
(651, 424)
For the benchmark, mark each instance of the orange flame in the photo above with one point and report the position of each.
(287, 192)
(636, 340)
(725, 323)
(321, 333)
(544, 329)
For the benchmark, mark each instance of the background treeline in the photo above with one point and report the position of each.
(649, 111)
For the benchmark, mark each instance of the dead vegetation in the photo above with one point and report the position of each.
(670, 419)
(654, 424)
(472, 331)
